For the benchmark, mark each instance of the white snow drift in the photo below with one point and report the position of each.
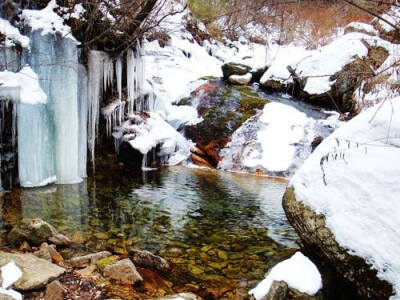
(353, 178)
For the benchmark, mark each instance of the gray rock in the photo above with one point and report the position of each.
(36, 232)
(86, 260)
(123, 271)
(55, 291)
(281, 291)
(148, 260)
(36, 272)
(319, 242)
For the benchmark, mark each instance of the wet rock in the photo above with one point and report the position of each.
(123, 271)
(148, 260)
(277, 291)
(319, 242)
(240, 79)
(86, 260)
(36, 272)
(36, 232)
(230, 69)
(316, 141)
(181, 296)
(55, 291)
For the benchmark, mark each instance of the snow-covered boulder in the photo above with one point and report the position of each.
(277, 78)
(296, 275)
(231, 68)
(343, 202)
(240, 79)
(274, 142)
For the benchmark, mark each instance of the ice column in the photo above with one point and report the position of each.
(83, 119)
(55, 60)
(35, 154)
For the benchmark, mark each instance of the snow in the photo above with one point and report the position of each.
(328, 60)
(25, 82)
(393, 16)
(285, 128)
(279, 59)
(298, 272)
(46, 20)
(362, 27)
(13, 35)
(10, 273)
(155, 131)
(241, 79)
(358, 187)
(278, 139)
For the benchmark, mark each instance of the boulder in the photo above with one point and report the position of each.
(148, 260)
(240, 79)
(231, 68)
(123, 271)
(55, 291)
(281, 291)
(86, 260)
(36, 232)
(36, 272)
(223, 108)
(319, 242)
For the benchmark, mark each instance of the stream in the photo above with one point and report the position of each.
(214, 226)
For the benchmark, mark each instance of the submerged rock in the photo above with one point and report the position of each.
(148, 260)
(36, 232)
(36, 272)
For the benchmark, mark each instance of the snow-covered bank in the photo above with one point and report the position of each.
(298, 272)
(352, 180)
(276, 141)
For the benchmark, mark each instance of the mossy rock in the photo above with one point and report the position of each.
(34, 231)
(102, 263)
(230, 68)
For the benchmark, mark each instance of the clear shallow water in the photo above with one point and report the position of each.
(215, 225)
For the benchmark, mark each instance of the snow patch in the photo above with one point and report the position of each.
(13, 36)
(46, 20)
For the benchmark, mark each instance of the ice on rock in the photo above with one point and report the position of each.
(83, 119)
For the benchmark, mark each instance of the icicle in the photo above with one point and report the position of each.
(130, 75)
(144, 162)
(108, 72)
(118, 67)
(96, 72)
